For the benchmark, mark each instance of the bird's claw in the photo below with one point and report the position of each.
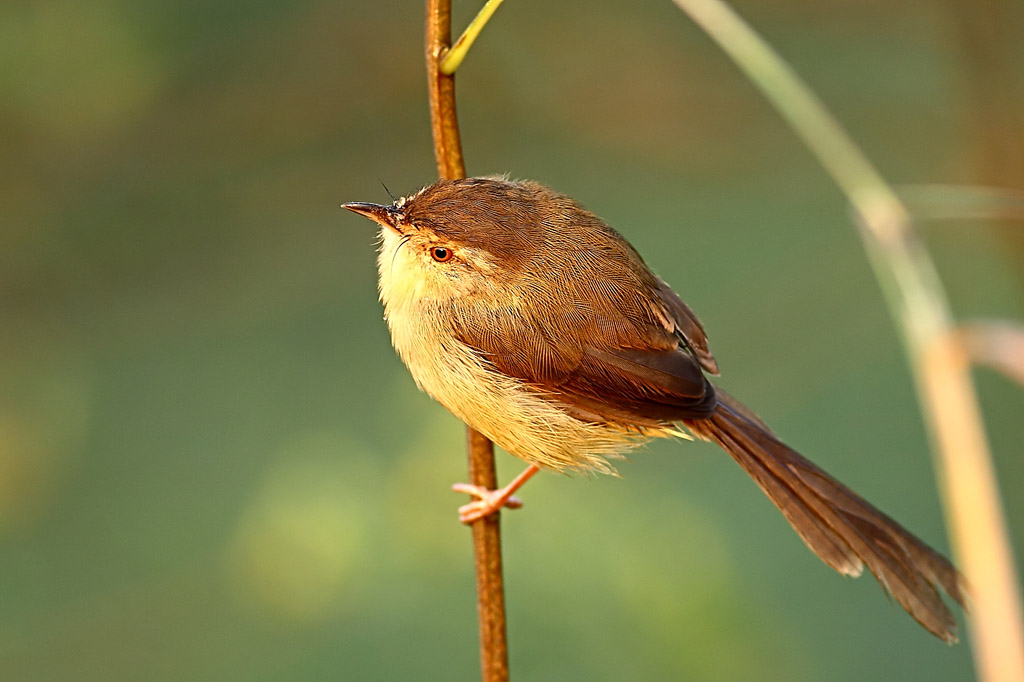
(487, 501)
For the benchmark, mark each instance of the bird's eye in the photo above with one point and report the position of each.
(441, 254)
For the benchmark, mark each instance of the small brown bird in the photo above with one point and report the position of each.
(541, 327)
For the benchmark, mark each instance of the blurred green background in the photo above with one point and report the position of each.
(213, 466)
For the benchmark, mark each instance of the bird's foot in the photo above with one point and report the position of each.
(488, 501)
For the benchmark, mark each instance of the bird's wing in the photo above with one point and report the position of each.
(631, 360)
(687, 326)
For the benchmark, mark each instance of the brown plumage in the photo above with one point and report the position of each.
(541, 327)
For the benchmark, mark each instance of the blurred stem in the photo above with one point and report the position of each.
(999, 345)
(453, 57)
(486, 531)
(964, 202)
(918, 304)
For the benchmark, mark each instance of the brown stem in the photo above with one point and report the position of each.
(490, 588)
(487, 531)
(443, 122)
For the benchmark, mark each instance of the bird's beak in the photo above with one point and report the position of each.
(384, 215)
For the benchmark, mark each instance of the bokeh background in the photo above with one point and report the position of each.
(212, 465)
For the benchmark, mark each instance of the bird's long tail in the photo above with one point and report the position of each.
(837, 524)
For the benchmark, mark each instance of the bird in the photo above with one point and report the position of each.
(540, 326)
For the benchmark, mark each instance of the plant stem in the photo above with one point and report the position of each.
(444, 124)
(486, 531)
(490, 585)
(453, 57)
(918, 304)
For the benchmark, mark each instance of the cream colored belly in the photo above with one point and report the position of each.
(513, 415)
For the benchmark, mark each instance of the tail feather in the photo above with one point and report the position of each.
(812, 529)
(838, 525)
